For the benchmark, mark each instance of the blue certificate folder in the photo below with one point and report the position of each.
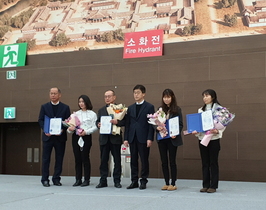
(172, 128)
(195, 122)
(46, 126)
(52, 128)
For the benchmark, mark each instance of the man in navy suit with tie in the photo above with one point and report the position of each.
(53, 109)
(139, 136)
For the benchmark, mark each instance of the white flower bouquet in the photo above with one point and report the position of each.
(118, 112)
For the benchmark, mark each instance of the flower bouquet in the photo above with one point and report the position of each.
(159, 119)
(73, 120)
(118, 112)
(221, 118)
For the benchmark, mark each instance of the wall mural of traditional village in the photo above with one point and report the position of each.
(50, 26)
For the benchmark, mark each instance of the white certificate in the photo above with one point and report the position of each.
(106, 125)
(55, 126)
(207, 120)
(174, 126)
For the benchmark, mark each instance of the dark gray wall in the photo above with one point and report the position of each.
(234, 67)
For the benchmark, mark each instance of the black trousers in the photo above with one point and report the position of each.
(59, 147)
(168, 152)
(82, 156)
(210, 168)
(141, 150)
(115, 150)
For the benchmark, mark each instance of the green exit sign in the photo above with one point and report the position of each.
(11, 74)
(9, 112)
(13, 55)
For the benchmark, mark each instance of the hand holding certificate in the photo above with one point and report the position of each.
(199, 121)
(52, 126)
(208, 122)
(106, 125)
(173, 126)
(167, 128)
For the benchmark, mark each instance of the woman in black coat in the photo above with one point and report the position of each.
(168, 146)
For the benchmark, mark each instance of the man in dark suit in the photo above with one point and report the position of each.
(110, 143)
(139, 136)
(53, 109)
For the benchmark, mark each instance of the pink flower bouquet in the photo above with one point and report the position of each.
(221, 118)
(159, 119)
(73, 120)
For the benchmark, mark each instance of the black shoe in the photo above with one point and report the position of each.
(77, 183)
(85, 183)
(142, 186)
(118, 185)
(133, 185)
(46, 184)
(101, 185)
(57, 183)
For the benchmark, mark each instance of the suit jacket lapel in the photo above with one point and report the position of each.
(50, 110)
(134, 113)
(105, 112)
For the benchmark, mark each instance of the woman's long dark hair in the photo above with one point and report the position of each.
(87, 102)
(213, 95)
(173, 108)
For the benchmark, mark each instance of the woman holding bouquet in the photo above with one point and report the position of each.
(81, 139)
(168, 146)
(209, 154)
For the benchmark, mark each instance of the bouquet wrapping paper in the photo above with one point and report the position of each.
(159, 119)
(118, 112)
(73, 120)
(221, 118)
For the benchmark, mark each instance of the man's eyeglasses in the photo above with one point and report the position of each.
(108, 96)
